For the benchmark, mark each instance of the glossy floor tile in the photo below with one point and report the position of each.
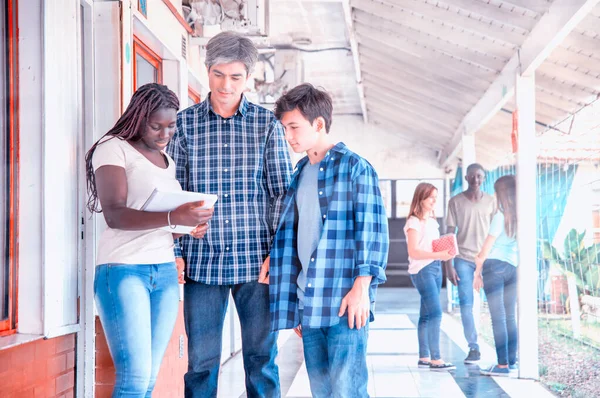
(392, 360)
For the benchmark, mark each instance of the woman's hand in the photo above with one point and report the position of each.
(444, 255)
(180, 264)
(191, 214)
(479, 262)
(477, 281)
(199, 231)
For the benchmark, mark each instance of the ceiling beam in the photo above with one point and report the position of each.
(537, 6)
(552, 28)
(413, 90)
(459, 77)
(432, 13)
(351, 31)
(436, 43)
(412, 104)
(437, 28)
(375, 89)
(492, 12)
(405, 130)
(410, 113)
(425, 54)
(465, 93)
(394, 113)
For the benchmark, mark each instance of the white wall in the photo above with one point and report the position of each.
(578, 211)
(392, 157)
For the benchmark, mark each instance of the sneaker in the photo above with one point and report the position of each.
(494, 370)
(473, 357)
(442, 367)
(513, 368)
(424, 364)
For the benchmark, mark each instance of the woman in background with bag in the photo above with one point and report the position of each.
(425, 271)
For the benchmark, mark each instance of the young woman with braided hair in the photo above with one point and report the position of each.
(136, 284)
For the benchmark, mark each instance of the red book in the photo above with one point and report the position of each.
(446, 242)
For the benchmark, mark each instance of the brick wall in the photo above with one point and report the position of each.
(172, 369)
(43, 368)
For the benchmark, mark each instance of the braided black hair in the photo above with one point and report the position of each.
(131, 126)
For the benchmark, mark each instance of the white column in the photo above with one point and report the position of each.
(526, 232)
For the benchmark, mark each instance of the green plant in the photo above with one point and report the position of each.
(577, 260)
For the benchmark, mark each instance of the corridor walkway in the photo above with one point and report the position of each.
(392, 360)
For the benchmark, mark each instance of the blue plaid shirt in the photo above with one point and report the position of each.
(245, 160)
(354, 242)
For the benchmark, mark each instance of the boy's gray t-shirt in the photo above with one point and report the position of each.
(310, 225)
(473, 222)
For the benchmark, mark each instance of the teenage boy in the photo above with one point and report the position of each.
(330, 250)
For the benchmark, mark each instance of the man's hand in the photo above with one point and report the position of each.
(263, 277)
(180, 270)
(451, 273)
(477, 281)
(357, 303)
(199, 231)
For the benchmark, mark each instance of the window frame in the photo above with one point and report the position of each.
(143, 9)
(194, 95)
(150, 56)
(9, 326)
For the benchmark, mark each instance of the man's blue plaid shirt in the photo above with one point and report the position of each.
(354, 242)
(245, 160)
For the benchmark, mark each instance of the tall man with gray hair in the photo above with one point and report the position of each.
(235, 149)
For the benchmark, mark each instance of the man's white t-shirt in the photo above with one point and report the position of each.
(152, 246)
(428, 230)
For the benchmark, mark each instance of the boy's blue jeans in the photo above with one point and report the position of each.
(466, 270)
(500, 286)
(428, 282)
(336, 360)
(138, 306)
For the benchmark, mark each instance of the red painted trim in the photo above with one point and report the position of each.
(177, 15)
(193, 94)
(140, 48)
(9, 325)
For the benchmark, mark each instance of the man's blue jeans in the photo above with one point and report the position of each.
(500, 286)
(137, 305)
(466, 270)
(204, 310)
(428, 282)
(336, 360)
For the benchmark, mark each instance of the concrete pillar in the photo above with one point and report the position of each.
(527, 230)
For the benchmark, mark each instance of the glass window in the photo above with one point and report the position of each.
(405, 190)
(145, 72)
(147, 65)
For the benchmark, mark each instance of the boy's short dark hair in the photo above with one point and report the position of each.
(310, 101)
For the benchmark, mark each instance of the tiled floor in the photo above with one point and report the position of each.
(392, 358)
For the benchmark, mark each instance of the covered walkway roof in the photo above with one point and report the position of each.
(435, 70)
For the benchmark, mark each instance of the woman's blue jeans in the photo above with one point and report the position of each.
(500, 286)
(428, 282)
(138, 307)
